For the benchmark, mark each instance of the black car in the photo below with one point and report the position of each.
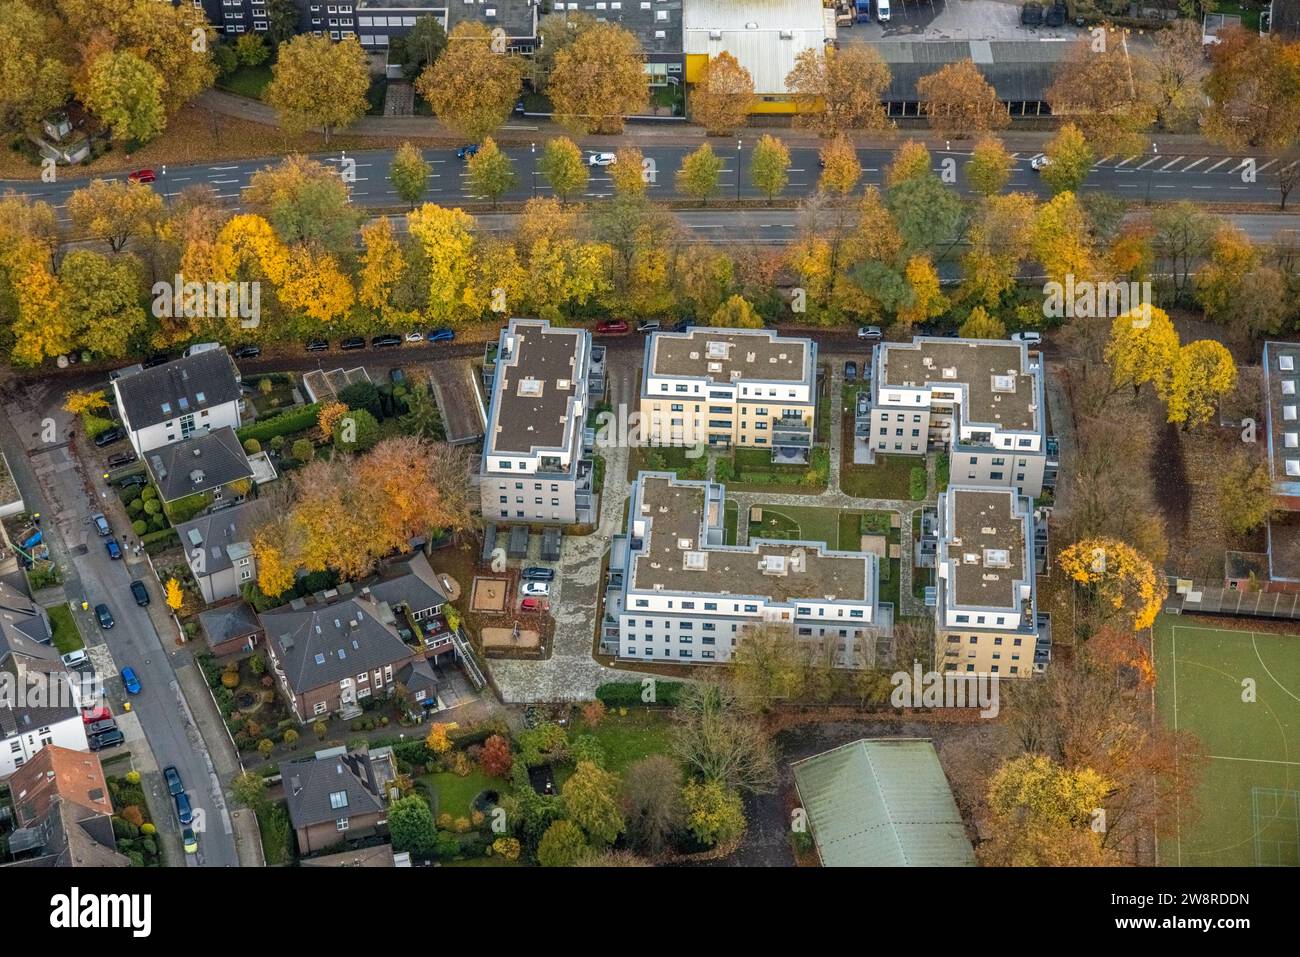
(121, 458)
(386, 341)
(248, 352)
(109, 436)
(139, 593)
(109, 739)
(1031, 14)
(536, 573)
(355, 342)
(173, 779)
(318, 345)
(1056, 16)
(104, 616)
(850, 371)
(96, 728)
(138, 478)
(156, 359)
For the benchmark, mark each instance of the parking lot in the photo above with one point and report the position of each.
(952, 20)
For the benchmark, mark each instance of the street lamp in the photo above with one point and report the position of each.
(737, 170)
(532, 148)
(1155, 151)
(164, 177)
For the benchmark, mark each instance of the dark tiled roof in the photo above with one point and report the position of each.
(328, 786)
(1016, 69)
(411, 583)
(198, 464)
(320, 644)
(234, 620)
(217, 533)
(165, 392)
(18, 650)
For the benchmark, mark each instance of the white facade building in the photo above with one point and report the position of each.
(178, 400)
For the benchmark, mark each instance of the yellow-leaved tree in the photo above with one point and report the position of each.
(1122, 587)
(1203, 374)
(175, 597)
(1143, 347)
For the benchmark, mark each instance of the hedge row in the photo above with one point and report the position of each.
(623, 694)
(291, 420)
(155, 542)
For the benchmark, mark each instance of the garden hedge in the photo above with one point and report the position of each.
(286, 423)
(626, 694)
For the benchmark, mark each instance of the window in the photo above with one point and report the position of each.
(318, 708)
(341, 824)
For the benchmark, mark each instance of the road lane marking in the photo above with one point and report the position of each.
(1172, 163)
(1192, 166)
(1148, 162)
(1217, 165)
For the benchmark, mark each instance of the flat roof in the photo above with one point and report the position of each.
(795, 571)
(1282, 397)
(1001, 390)
(729, 355)
(984, 539)
(882, 802)
(540, 371)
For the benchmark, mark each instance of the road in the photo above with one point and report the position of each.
(159, 711)
(1157, 176)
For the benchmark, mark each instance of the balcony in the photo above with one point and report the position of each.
(1043, 644)
(490, 356)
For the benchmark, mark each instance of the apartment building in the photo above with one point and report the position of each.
(1281, 437)
(750, 388)
(986, 614)
(533, 468)
(178, 400)
(980, 400)
(678, 593)
(40, 704)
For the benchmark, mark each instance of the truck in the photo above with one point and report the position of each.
(864, 10)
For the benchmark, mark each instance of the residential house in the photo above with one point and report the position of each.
(765, 36)
(63, 812)
(202, 464)
(979, 400)
(337, 795)
(219, 548)
(177, 400)
(750, 388)
(679, 593)
(231, 628)
(534, 469)
(42, 706)
(986, 614)
(19, 612)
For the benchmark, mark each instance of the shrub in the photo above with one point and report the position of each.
(285, 423)
(623, 693)
(507, 847)
(132, 777)
(320, 727)
(303, 450)
(495, 759)
(460, 764)
(252, 446)
(139, 526)
(277, 443)
(265, 747)
(916, 483)
(148, 492)
(133, 815)
(593, 712)
(230, 678)
(266, 386)
(158, 522)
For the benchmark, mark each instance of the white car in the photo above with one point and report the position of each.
(1040, 162)
(535, 590)
(1031, 338)
(602, 159)
(74, 658)
(868, 332)
(415, 337)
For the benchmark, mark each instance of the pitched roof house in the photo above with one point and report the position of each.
(63, 811)
(179, 399)
(337, 795)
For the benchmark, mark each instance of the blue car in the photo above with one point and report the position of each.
(129, 679)
(465, 152)
(441, 335)
(183, 809)
(114, 549)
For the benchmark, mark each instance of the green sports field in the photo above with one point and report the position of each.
(1249, 796)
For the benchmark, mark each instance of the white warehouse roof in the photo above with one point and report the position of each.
(765, 36)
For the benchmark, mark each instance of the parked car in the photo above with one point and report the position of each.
(104, 616)
(318, 345)
(1031, 15)
(650, 325)
(397, 376)
(1057, 16)
(850, 371)
(109, 739)
(173, 779)
(1031, 338)
(136, 478)
(101, 523)
(114, 549)
(385, 341)
(130, 681)
(140, 593)
(248, 352)
(118, 459)
(441, 335)
(535, 589)
(465, 152)
(415, 337)
(201, 347)
(868, 332)
(141, 176)
(534, 605)
(353, 342)
(74, 658)
(537, 573)
(602, 159)
(189, 841)
(612, 326)
(183, 809)
(109, 436)
(100, 713)
(882, 11)
(1040, 162)
(99, 727)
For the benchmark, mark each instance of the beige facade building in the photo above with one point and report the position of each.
(748, 388)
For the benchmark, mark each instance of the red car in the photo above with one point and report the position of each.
(96, 714)
(534, 605)
(141, 176)
(612, 326)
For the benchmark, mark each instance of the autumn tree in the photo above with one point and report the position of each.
(651, 802)
(445, 238)
(717, 739)
(840, 167)
(438, 740)
(491, 174)
(318, 83)
(629, 172)
(1060, 241)
(306, 203)
(174, 596)
(103, 298)
(598, 79)
(33, 79)
(496, 759)
(925, 301)
(980, 325)
(556, 32)
(563, 845)
(409, 171)
(1251, 89)
(1121, 586)
(700, 174)
(990, 166)
(114, 212)
(839, 89)
(125, 93)
(382, 265)
(562, 167)
(471, 87)
(1177, 62)
(1245, 494)
(563, 268)
(1069, 160)
(1106, 93)
(767, 666)
(590, 797)
(715, 813)
(768, 165)
(1044, 814)
(1202, 375)
(958, 101)
(722, 96)
(1181, 235)
(736, 313)
(927, 211)
(1143, 348)
(1221, 277)
(1000, 236)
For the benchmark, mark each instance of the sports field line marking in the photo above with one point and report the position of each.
(1224, 757)
(1178, 804)
(1260, 659)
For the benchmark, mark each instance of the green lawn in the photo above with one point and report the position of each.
(1249, 793)
(666, 459)
(277, 833)
(888, 478)
(455, 795)
(730, 519)
(247, 81)
(67, 636)
(630, 738)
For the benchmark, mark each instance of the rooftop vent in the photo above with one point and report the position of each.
(1004, 383)
(530, 387)
(695, 561)
(997, 558)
